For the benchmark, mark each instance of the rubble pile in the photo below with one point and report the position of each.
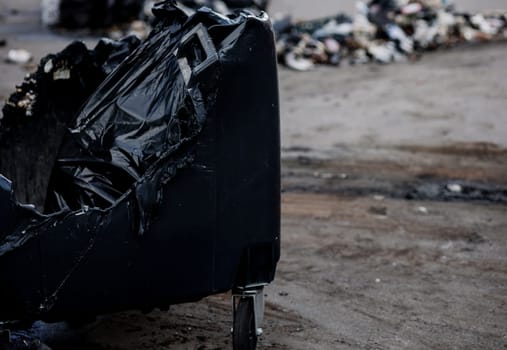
(383, 31)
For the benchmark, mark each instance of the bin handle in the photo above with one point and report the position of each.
(208, 47)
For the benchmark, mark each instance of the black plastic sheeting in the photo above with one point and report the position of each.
(120, 229)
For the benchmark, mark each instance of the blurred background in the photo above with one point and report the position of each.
(313, 9)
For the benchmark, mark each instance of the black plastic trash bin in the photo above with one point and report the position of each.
(199, 218)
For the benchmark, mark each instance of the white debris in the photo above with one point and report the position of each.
(19, 56)
(298, 63)
(333, 28)
(411, 8)
(423, 210)
(48, 67)
(325, 176)
(381, 53)
(61, 74)
(455, 188)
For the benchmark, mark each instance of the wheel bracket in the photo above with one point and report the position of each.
(256, 293)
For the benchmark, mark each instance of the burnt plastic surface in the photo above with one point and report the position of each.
(167, 186)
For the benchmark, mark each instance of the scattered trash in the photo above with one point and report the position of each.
(379, 198)
(455, 188)
(465, 191)
(382, 31)
(423, 210)
(19, 56)
(325, 176)
(378, 280)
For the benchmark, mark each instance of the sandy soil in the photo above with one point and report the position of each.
(377, 252)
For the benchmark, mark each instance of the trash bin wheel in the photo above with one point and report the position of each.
(244, 332)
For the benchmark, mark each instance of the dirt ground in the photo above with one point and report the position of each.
(380, 249)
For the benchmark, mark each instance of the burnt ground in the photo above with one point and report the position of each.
(394, 210)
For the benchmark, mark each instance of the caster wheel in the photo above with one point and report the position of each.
(244, 334)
